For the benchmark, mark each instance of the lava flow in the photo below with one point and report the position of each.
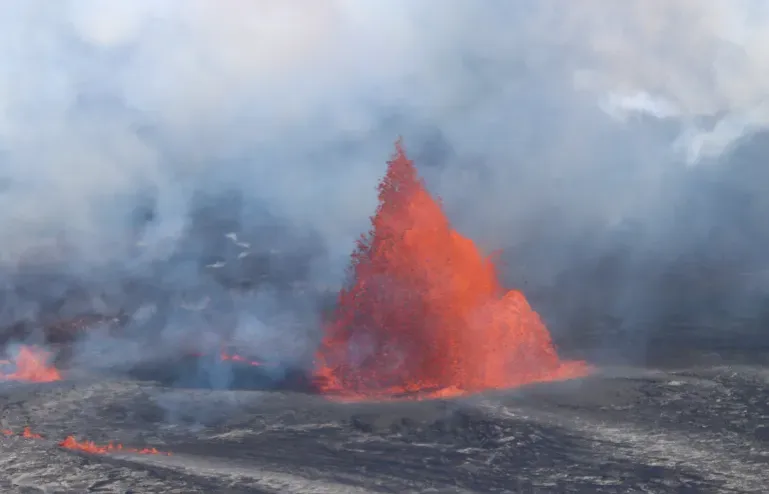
(231, 357)
(28, 434)
(425, 314)
(239, 358)
(90, 447)
(29, 364)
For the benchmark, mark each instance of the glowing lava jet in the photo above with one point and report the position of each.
(29, 364)
(425, 314)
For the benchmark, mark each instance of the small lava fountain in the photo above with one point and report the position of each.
(425, 314)
(29, 364)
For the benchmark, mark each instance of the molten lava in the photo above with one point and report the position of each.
(87, 446)
(239, 358)
(224, 356)
(29, 364)
(425, 314)
(28, 434)
(90, 447)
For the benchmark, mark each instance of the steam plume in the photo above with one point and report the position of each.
(134, 136)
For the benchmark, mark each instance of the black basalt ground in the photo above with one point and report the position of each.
(698, 429)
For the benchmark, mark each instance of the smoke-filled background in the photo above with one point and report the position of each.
(202, 169)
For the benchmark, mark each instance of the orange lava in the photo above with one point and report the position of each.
(425, 315)
(238, 358)
(231, 357)
(29, 434)
(87, 446)
(30, 364)
(90, 447)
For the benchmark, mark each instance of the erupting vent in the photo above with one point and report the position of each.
(425, 314)
(29, 364)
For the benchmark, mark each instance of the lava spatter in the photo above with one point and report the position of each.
(28, 434)
(425, 314)
(228, 357)
(87, 446)
(90, 447)
(29, 364)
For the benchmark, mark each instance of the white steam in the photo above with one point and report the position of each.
(575, 110)
(702, 58)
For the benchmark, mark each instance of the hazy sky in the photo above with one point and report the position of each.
(577, 109)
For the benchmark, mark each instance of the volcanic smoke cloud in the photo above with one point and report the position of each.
(426, 312)
(135, 136)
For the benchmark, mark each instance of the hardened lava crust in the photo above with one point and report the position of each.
(694, 430)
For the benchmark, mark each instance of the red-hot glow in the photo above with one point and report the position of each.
(425, 314)
(90, 447)
(29, 364)
(225, 356)
(29, 434)
(239, 358)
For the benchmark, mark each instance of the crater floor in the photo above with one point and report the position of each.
(696, 430)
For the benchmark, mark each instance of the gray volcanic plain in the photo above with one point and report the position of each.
(699, 429)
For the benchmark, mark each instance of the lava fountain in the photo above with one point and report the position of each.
(424, 314)
(29, 364)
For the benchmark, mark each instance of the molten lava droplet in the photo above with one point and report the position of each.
(425, 312)
(30, 364)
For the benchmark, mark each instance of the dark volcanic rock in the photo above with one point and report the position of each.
(699, 430)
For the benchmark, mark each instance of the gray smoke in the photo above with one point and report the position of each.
(597, 142)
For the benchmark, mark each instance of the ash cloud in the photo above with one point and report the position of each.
(603, 145)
